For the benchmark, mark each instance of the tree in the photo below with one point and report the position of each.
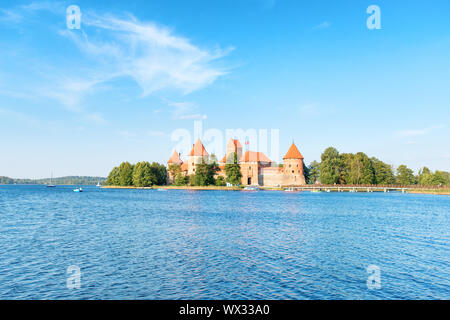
(142, 175)
(331, 166)
(181, 180)
(405, 176)
(191, 179)
(125, 174)
(425, 177)
(360, 170)
(213, 159)
(383, 172)
(233, 171)
(220, 181)
(113, 177)
(204, 174)
(314, 172)
(174, 169)
(158, 173)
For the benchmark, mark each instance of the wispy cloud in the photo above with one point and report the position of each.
(122, 47)
(322, 25)
(186, 111)
(152, 55)
(418, 132)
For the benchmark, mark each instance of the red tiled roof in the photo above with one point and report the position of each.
(252, 156)
(293, 153)
(198, 149)
(175, 158)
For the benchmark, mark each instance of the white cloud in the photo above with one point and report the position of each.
(96, 118)
(309, 110)
(155, 133)
(322, 25)
(185, 111)
(152, 55)
(418, 132)
(114, 47)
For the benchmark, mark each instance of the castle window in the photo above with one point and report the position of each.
(292, 171)
(289, 166)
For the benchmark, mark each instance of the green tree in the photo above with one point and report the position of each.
(383, 172)
(220, 181)
(191, 179)
(425, 177)
(174, 169)
(142, 175)
(125, 174)
(233, 171)
(331, 166)
(213, 159)
(360, 170)
(204, 174)
(405, 176)
(158, 173)
(181, 180)
(314, 172)
(113, 177)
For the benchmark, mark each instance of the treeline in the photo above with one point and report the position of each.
(69, 180)
(349, 168)
(141, 174)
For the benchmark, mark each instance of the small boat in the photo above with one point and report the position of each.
(78, 190)
(51, 185)
(316, 190)
(161, 189)
(291, 190)
(251, 189)
(98, 184)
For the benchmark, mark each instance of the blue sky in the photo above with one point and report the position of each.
(78, 102)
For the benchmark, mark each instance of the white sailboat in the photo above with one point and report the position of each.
(51, 185)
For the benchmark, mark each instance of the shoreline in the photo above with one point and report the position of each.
(223, 188)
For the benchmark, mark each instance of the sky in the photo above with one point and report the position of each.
(136, 74)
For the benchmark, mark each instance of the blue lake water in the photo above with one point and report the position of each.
(145, 244)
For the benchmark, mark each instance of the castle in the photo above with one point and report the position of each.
(256, 168)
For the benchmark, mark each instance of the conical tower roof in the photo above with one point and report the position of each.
(198, 149)
(175, 158)
(293, 153)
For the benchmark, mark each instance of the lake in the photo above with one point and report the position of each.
(179, 244)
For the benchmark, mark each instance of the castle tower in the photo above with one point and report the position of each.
(233, 146)
(197, 155)
(174, 159)
(293, 167)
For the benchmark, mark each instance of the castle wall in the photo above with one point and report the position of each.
(271, 177)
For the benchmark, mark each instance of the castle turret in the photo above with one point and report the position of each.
(197, 155)
(293, 167)
(233, 146)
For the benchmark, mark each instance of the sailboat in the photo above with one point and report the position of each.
(98, 184)
(51, 185)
